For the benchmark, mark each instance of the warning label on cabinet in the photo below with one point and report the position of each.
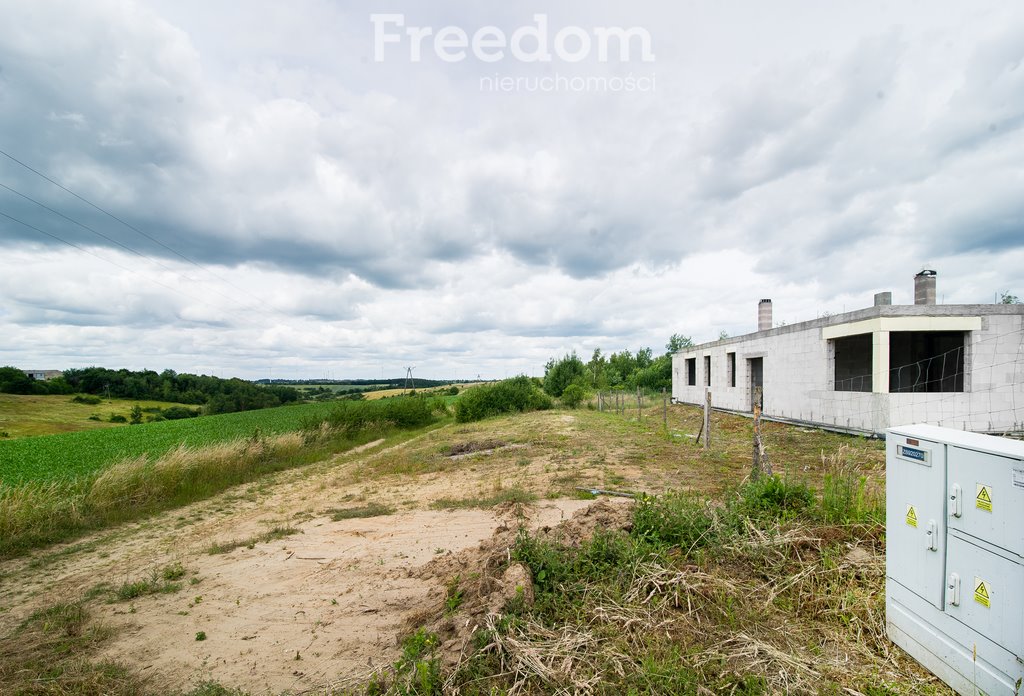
(983, 501)
(1018, 478)
(911, 516)
(982, 592)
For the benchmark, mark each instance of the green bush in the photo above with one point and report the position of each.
(117, 418)
(562, 571)
(774, 498)
(90, 399)
(353, 416)
(573, 396)
(559, 374)
(14, 381)
(508, 396)
(678, 518)
(179, 412)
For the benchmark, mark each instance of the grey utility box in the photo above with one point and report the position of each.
(954, 559)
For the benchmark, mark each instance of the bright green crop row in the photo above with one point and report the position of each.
(72, 455)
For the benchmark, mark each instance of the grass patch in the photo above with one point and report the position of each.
(48, 654)
(52, 414)
(278, 532)
(162, 581)
(508, 495)
(370, 510)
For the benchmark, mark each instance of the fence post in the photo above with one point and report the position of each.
(760, 464)
(707, 419)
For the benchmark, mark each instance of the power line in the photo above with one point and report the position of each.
(250, 308)
(115, 217)
(101, 258)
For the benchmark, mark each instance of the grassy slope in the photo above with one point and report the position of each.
(25, 416)
(61, 457)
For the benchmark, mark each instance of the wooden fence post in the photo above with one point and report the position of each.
(707, 419)
(760, 464)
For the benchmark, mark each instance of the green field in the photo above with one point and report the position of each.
(27, 416)
(68, 456)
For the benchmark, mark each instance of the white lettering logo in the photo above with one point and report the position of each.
(530, 43)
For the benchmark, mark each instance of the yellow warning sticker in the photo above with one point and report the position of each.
(911, 516)
(982, 592)
(983, 501)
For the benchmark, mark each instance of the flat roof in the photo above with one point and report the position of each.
(875, 312)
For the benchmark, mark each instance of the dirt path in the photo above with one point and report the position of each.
(321, 607)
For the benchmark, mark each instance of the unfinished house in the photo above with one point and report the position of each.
(957, 366)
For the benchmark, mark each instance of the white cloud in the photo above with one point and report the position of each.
(370, 214)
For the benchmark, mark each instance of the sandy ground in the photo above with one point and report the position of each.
(316, 609)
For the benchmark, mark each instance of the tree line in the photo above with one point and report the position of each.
(216, 394)
(621, 370)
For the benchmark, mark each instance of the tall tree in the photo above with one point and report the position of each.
(561, 373)
(678, 342)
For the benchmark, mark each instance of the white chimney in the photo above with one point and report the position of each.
(764, 315)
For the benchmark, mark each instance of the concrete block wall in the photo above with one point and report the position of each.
(798, 381)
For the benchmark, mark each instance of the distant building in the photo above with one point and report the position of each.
(43, 375)
(863, 371)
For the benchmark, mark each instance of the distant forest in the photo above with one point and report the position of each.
(218, 395)
(396, 383)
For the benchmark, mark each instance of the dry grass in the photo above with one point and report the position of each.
(49, 654)
(36, 514)
(186, 472)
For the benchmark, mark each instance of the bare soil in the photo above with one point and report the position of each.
(320, 608)
(326, 606)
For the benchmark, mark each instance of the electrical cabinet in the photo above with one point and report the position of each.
(954, 586)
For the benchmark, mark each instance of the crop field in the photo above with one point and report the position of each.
(26, 416)
(68, 456)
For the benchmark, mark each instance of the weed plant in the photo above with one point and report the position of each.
(612, 608)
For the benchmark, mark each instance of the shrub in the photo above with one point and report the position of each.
(179, 412)
(677, 518)
(117, 418)
(353, 416)
(573, 396)
(558, 375)
(507, 396)
(90, 399)
(774, 498)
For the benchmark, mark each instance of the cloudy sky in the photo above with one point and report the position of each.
(279, 188)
